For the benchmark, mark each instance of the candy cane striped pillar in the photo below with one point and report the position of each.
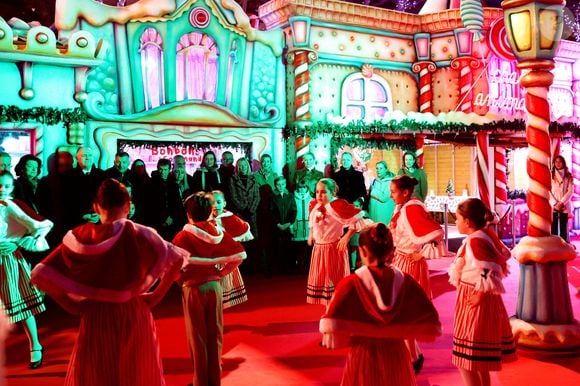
(543, 301)
(424, 69)
(500, 177)
(536, 83)
(465, 65)
(482, 148)
(299, 59)
(419, 153)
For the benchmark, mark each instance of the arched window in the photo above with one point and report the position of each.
(365, 97)
(197, 61)
(151, 50)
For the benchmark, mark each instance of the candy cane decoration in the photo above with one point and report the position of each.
(302, 146)
(465, 65)
(419, 153)
(301, 92)
(536, 83)
(424, 69)
(482, 145)
(500, 177)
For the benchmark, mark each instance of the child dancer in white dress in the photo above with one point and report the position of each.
(233, 287)
(104, 272)
(328, 218)
(213, 254)
(414, 232)
(20, 300)
(373, 311)
(482, 336)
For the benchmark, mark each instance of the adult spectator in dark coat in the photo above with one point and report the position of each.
(206, 178)
(226, 171)
(184, 182)
(120, 169)
(82, 184)
(265, 178)
(351, 182)
(26, 185)
(165, 205)
(245, 198)
(51, 190)
(283, 209)
(245, 193)
(141, 186)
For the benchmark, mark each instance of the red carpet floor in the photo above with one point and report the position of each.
(273, 340)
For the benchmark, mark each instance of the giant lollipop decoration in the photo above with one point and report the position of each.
(498, 40)
(472, 17)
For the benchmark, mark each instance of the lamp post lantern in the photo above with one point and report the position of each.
(544, 317)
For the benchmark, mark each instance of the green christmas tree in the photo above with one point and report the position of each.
(450, 189)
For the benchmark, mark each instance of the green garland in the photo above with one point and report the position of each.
(374, 130)
(378, 127)
(45, 115)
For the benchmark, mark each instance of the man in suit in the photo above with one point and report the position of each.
(82, 183)
(120, 168)
(351, 182)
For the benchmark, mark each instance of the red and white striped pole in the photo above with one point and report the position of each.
(425, 69)
(465, 65)
(500, 177)
(536, 84)
(482, 148)
(301, 86)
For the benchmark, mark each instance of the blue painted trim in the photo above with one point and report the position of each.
(443, 63)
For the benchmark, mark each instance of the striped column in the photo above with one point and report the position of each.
(302, 146)
(536, 83)
(301, 91)
(419, 153)
(465, 65)
(482, 148)
(500, 177)
(425, 69)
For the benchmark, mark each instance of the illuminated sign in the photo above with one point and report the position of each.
(152, 151)
(504, 94)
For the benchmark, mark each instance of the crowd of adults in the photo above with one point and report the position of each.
(275, 208)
